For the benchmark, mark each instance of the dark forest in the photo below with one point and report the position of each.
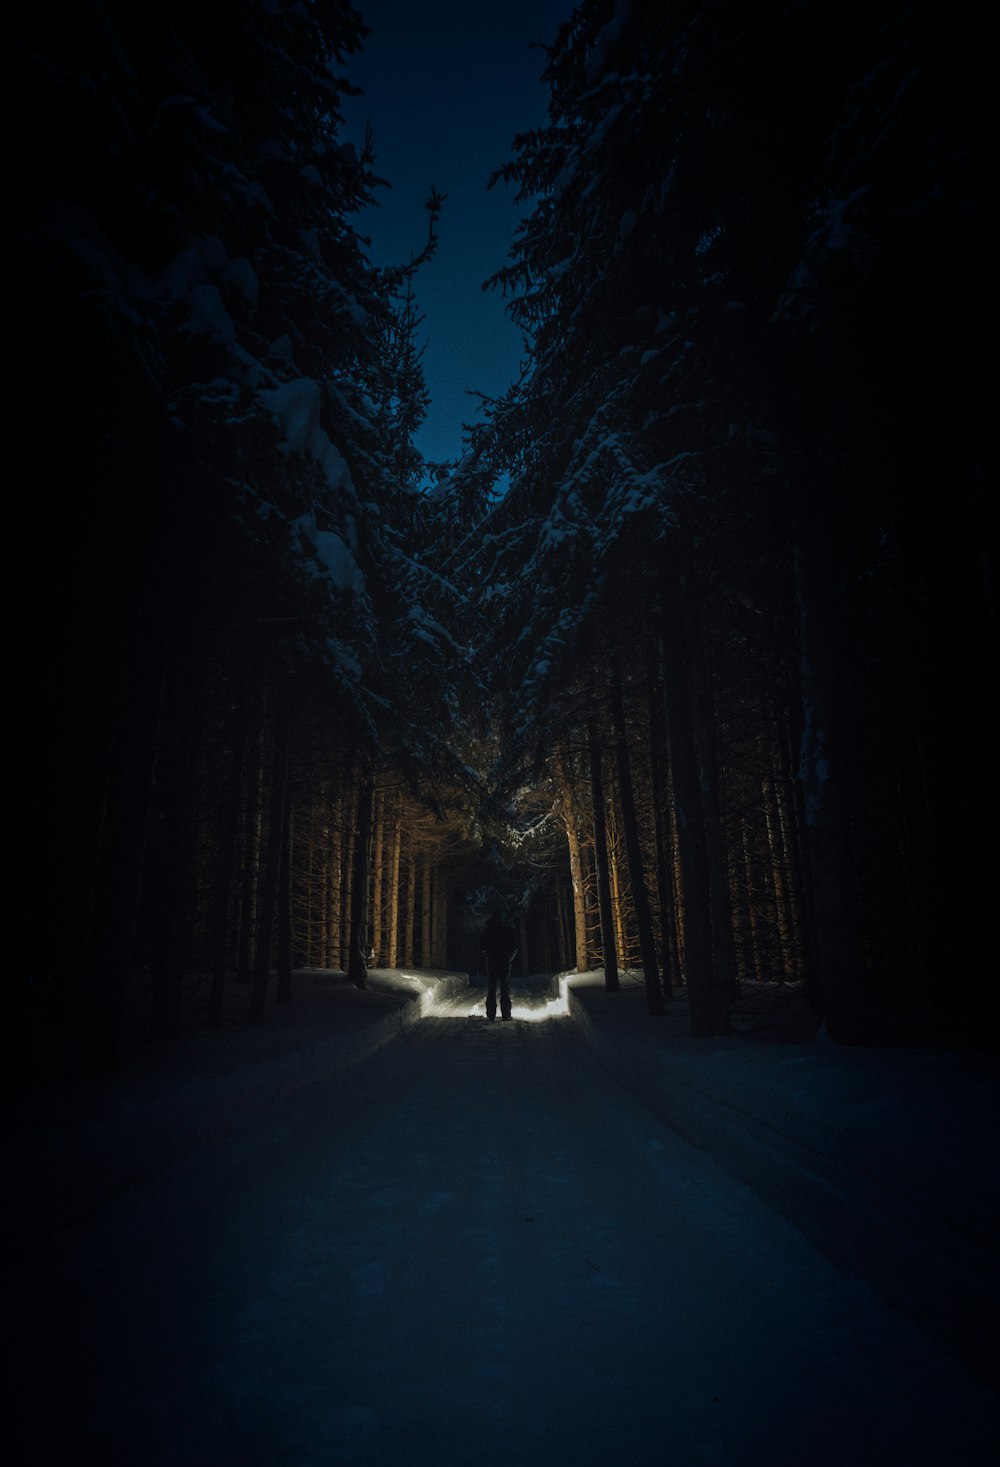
(688, 657)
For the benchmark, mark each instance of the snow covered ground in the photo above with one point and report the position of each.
(381, 1231)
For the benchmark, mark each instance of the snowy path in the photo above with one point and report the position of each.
(475, 1248)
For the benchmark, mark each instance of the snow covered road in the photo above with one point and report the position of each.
(476, 1248)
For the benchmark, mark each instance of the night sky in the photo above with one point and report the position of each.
(446, 86)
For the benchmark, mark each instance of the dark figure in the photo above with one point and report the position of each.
(499, 944)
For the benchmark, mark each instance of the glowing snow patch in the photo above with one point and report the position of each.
(552, 1008)
(535, 1013)
(427, 1004)
(549, 1010)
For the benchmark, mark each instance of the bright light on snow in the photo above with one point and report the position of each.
(534, 1016)
(427, 989)
(526, 1005)
(552, 1007)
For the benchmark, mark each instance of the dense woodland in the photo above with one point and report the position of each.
(705, 693)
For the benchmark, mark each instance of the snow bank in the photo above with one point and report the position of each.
(886, 1159)
(76, 1148)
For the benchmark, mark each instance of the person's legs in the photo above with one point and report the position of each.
(491, 991)
(505, 992)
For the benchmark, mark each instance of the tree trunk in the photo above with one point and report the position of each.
(124, 861)
(692, 847)
(276, 816)
(790, 861)
(347, 861)
(611, 981)
(581, 954)
(633, 849)
(393, 904)
(835, 976)
(745, 903)
(250, 850)
(227, 855)
(426, 888)
(318, 879)
(335, 880)
(721, 917)
(776, 856)
(664, 887)
(622, 943)
(357, 970)
(567, 949)
(377, 877)
(285, 908)
(175, 869)
(409, 923)
(313, 874)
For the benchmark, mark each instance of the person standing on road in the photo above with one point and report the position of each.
(499, 944)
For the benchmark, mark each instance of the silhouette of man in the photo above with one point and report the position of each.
(499, 945)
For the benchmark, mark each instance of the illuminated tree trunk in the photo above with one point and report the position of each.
(377, 877)
(664, 885)
(570, 822)
(393, 903)
(605, 909)
(637, 878)
(410, 919)
(616, 884)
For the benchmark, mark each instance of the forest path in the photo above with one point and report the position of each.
(475, 1248)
